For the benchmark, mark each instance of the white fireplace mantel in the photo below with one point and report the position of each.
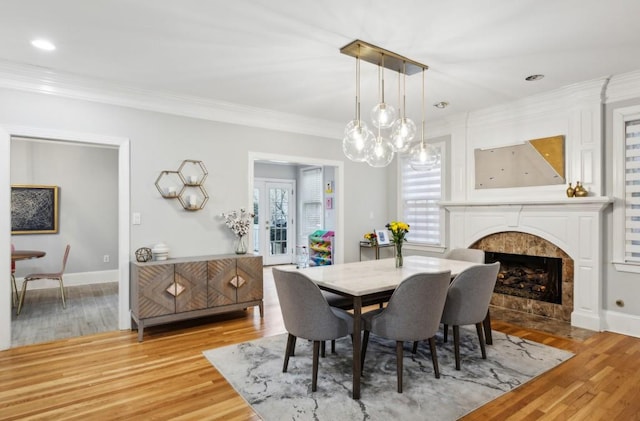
(573, 224)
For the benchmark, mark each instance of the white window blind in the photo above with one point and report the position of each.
(420, 192)
(632, 191)
(311, 200)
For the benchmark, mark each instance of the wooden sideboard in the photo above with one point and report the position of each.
(190, 287)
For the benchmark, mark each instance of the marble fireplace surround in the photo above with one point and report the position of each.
(573, 225)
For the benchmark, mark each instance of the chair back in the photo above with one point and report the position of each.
(13, 262)
(305, 311)
(414, 310)
(469, 295)
(64, 259)
(468, 255)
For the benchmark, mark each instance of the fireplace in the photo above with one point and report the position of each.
(565, 228)
(534, 277)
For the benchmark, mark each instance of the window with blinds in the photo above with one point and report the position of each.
(420, 192)
(310, 200)
(632, 192)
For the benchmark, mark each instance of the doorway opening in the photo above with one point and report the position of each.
(285, 169)
(122, 146)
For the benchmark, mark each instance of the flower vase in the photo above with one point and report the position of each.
(241, 245)
(398, 255)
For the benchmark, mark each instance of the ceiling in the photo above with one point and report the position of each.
(284, 55)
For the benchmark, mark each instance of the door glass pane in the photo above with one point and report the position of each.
(256, 220)
(279, 216)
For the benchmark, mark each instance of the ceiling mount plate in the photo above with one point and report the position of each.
(373, 54)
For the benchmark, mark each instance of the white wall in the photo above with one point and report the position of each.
(161, 141)
(577, 113)
(86, 176)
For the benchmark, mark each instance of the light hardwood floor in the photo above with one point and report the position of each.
(111, 376)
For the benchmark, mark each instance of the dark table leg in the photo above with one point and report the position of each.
(357, 345)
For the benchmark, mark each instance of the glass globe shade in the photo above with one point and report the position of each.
(424, 157)
(356, 138)
(403, 132)
(379, 152)
(383, 115)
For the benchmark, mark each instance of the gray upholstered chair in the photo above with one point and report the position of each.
(468, 255)
(306, 314)
(55, 275)
(475, 256)
(412, 314)
(467, 302)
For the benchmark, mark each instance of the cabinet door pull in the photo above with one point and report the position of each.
(175, 289)
(238, 281)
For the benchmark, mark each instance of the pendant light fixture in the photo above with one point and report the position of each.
(383, 115)
(357, 135)
(392, 134)
(404, 129)
(423, 156)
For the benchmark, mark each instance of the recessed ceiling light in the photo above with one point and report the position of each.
(533, 78)
(441, 104)
(43, 44)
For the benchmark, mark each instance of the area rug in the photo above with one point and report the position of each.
(254, 369)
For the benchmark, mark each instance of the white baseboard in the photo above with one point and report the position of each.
(74, 279)
(626, 324)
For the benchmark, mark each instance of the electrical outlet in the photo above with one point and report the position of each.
(106, 258)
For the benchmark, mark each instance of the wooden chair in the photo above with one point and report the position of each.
(467, 302)
(412, 314)
(36, 276)
(306, 314)
(14, 293)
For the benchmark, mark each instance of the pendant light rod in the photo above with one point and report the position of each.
(358, 88)
(422, 136)
(373, 54)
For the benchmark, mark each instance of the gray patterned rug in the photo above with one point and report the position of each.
(254, 369)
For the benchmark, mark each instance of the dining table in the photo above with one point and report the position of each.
(26, 254)
(358, 280)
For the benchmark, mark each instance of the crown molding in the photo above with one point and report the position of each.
(43, 81)
(623, 87)
(552, 103)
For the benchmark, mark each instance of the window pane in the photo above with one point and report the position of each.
(420, 192)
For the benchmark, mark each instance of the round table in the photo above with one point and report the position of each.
(26, 254)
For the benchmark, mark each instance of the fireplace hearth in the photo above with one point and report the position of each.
(532, 277)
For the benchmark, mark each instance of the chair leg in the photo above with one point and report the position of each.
(22, 294)
(434, 356)
(314, 376)
(323, 347)
(365, 342)
(415, 347)
(333, 346)
(399, 355)
(64, 304)
(291, 343)
(481, 338)
(445, 333)
(488, 336)
(14, 293)
(456, 345)
(293, 348)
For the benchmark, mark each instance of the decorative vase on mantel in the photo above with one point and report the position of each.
(399, 254)
(241, 244)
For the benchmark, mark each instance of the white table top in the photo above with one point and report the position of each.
(371, 276)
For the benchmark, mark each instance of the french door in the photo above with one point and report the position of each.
(276, 211)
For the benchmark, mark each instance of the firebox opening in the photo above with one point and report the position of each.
(534, 277)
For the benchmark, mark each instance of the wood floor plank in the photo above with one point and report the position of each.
(112, 376)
